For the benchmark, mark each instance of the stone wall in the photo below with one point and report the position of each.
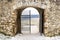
(7, 18)
(52, 22)
(51, 15)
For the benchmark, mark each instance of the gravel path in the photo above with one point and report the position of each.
(28, 37)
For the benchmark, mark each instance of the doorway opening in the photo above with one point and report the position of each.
(30, 20)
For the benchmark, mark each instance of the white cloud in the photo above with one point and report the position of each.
(32, 10)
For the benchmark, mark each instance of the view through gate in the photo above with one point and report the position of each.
(30, 19)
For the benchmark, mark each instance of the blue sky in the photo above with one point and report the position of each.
(26, 17)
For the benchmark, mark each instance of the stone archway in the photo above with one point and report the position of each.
(19, 12)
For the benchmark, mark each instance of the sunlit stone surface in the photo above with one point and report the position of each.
(51, 15)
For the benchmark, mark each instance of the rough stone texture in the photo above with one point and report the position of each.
(52, 23)
(51, 15)
(7, 19)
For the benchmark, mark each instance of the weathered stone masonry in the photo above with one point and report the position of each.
(51, 15)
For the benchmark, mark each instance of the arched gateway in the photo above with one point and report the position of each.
(29, 20)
